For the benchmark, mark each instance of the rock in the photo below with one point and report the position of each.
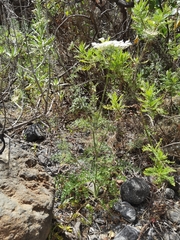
(26, 197)
(169, 193)
(127, 233)
(33, 133)
(3, 143)
(126, 210)
(171, 236)
(173, 214)
(134, 190)
(151, 234)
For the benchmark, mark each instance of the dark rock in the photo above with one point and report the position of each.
(134, 190)
(3, 143)
(126, 210)
(33, 133)
(127, 233)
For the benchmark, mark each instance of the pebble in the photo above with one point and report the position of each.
(126, 210)
(169, 193)
(173, 214)
(127, 233)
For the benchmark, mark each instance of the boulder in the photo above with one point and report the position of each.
(26, 196)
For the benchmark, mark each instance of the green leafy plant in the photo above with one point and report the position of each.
(153, 21)
(35, 59)
(110, 67)
(150, 107)
(116, 104)
(100, 83)
(150, 102)
(150, 23)
(170, 82)
(82, 100)
(161, 170)
(95, 168)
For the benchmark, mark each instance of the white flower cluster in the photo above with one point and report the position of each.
(115, 43)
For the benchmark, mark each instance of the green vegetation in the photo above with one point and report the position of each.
(160, 171)
(114, 94)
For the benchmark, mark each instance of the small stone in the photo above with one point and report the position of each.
(134, 190)
(174, 214)
(127, 233)
(126, 210)
(171, 236)
(33, 133)
(42, 160)
(169, 193)
(151, 234)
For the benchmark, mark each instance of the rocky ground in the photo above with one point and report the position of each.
(143, 211)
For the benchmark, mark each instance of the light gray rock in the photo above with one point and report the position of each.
(126, 210)
(26, 196)
(171, 236)
(169, 193)
(127, 233)
(173, 214)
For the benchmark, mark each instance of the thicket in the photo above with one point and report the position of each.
(51, 71)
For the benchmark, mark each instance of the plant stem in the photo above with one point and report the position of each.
(94, 163)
